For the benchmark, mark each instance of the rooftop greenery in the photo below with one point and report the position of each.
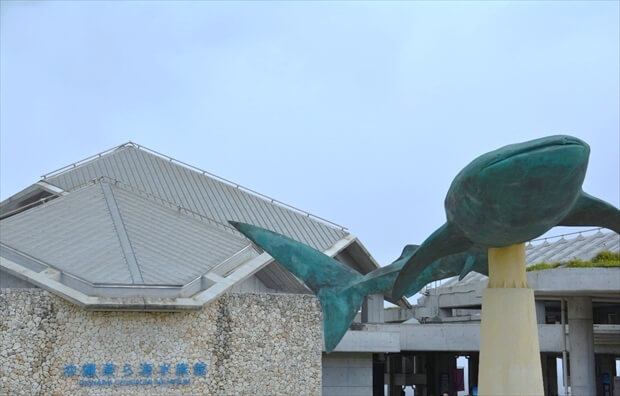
(603, 259)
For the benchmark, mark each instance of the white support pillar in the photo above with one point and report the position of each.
(509, 353)
(581, 356)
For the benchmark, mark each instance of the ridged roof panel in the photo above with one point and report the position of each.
(80, 235)
(582, 247)
(171, 247)
(74, 234)
(198, 192)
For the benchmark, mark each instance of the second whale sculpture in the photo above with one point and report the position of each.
(340, 288)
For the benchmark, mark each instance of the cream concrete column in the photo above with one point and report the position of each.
(581, 336)
(509, 351)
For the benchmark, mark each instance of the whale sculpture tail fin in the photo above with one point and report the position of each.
(339, 308)
(331, 281)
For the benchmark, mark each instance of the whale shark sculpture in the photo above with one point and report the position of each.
(509, 196)
(341, 289)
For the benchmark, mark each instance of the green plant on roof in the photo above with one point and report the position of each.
(603, 259)
(543, 266)
(607, 256)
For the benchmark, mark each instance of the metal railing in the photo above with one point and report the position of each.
(38, 202)
(83, 161)
(196, 169)
(567, 234)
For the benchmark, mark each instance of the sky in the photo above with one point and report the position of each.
(358, 112)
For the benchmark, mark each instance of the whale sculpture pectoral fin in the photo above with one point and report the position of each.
(481, 262)
(591, 211)
(467, 267)
(446, 240)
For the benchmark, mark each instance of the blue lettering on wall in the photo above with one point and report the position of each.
(182, 369)
(109, 369)
(69, 370)
(146, 369)
(200, 369)
(127, 371)
(164, 369)
(126, 377)
(89, 370)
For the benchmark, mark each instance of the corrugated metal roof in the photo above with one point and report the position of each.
(581, 247)
(576, 248)
(170, 247)
(146, 192)
(79, 235)
(276, 277)
(74, 233)
(198, 192)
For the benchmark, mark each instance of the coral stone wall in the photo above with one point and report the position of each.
(239, 344)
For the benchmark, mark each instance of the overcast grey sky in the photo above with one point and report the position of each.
(361, 113)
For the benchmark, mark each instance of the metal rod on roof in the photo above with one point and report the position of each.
(229, 182)
(75, 164)
(204, 172)
(563, 235)
(31, 204)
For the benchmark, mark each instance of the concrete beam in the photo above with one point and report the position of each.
(576, 282)
(397, 314)
(373, 338)
(432, 337)
(561, 282)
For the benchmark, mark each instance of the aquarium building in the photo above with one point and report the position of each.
(120, 275)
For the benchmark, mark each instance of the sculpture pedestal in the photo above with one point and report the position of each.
(509, 351)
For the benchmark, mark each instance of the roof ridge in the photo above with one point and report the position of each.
(121, 232)
(153, 198)
(137, 146)
(120, 199)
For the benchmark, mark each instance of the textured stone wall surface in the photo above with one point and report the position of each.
(259, 344)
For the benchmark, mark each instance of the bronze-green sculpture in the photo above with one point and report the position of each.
(341, 289)
(512, 195)
(508, 196)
